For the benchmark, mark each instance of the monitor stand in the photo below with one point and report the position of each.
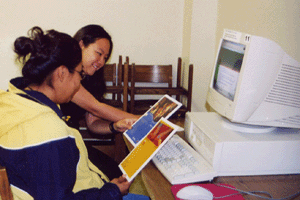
(246, 128)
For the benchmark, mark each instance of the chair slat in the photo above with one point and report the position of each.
(149, 76)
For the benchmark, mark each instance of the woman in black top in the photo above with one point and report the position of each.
(96, 45)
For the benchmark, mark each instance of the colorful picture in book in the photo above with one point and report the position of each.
(162, 108)
(159, 134)
(147, 148)
(165, 107)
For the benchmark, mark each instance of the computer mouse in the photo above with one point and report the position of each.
(194, 192)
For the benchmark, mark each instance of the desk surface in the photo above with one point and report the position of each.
(278, 186)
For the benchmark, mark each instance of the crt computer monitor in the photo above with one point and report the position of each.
(255, 82)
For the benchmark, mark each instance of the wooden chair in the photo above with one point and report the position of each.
(122, 81)
(116, 84)
(187, 93)
(157, 74)
(117, 89)
(110, 78)
(107, 74)
(112, 75)
(5, 190)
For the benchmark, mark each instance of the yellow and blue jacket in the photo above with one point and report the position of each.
(44, 158)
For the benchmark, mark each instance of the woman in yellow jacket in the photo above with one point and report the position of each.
(45, 158)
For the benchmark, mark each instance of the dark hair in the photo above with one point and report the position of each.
(42, 53)
(90, 33)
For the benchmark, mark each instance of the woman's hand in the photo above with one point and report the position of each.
(124, 124)
(100, 126)
(122, 183)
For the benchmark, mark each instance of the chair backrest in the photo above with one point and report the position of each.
(117, 88)
(110, 73)
(122, 75)
(151, 74)
(125, 86)
(158, 74)
(5, 190)
(190, 86)
(121, 68)
(110, 76)
(154, 80)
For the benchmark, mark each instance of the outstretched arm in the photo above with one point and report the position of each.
(100, 126)
(87, 101)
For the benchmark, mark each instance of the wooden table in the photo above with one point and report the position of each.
(278, 186)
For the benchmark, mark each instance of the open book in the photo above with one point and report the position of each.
(148, 135)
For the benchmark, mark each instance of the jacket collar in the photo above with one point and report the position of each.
(39, 97)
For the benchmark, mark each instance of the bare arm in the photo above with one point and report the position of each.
(100, 126)
(96, 124)
(87, 101)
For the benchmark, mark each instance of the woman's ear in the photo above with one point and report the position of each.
(81, 44)
(61, 73)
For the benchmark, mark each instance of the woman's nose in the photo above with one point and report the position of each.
(101, 61)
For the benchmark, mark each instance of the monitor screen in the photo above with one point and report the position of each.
(228, 67)
(255, 82)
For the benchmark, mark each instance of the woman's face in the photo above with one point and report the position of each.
(94, 55)
(71, 84)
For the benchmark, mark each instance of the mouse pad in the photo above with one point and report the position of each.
(216, 190)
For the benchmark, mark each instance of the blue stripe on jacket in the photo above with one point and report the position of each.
(46, 171)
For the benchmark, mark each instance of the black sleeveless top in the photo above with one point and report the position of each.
(96, 86)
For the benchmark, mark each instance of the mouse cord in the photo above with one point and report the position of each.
(252, 193)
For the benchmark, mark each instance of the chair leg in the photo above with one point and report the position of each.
(5, 190)
(132, 89)
(190, 87)
(179, 65)
(120, 73)
(125, 87)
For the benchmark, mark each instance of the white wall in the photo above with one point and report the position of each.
(277, 20)
(155, 31)
(202, 53)
(148, 31)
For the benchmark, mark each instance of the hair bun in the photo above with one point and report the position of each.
(23, 46)
(42, 53)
